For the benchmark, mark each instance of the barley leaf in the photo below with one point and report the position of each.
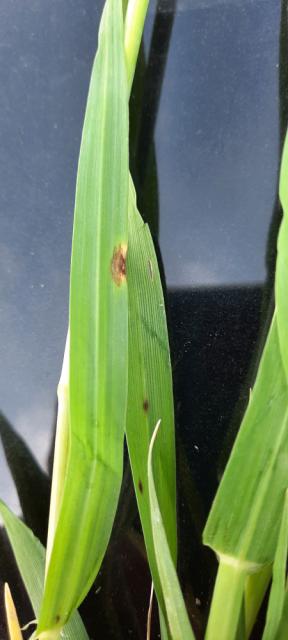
(246, 514)
(245, 517)
(30, 557)
(150, 388)
(178, 621)
(98, 335)
(244, 522)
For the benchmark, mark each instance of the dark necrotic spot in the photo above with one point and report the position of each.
(145, 405)
(57, 618)
(140, 485)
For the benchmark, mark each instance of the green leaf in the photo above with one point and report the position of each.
(150, 394)
(244, 522)
(30, 557)
(278, 588)
(243, 525)
(178, 621)
(98, 377)
(246, 514)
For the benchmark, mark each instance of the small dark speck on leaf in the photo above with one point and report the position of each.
(140, 485)
(57, 618)
(146, 405)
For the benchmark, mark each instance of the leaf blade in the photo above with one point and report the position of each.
(255, 474)
(150, 393)
(98, 334)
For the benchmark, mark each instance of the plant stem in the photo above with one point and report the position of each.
(134, 25)
(227, 601)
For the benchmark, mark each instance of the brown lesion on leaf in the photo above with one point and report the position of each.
(118, 264)
(140, 486)
(57, 618)
(145, 405)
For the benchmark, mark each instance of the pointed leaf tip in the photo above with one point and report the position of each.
(11, 615)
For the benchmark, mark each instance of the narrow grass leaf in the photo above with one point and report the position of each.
(278, 588)
(243, 525)
(244, 522)
(11, 616)
(178, 621)
(30, 557)
(150, 392)
(246, 514)
(98, 375)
